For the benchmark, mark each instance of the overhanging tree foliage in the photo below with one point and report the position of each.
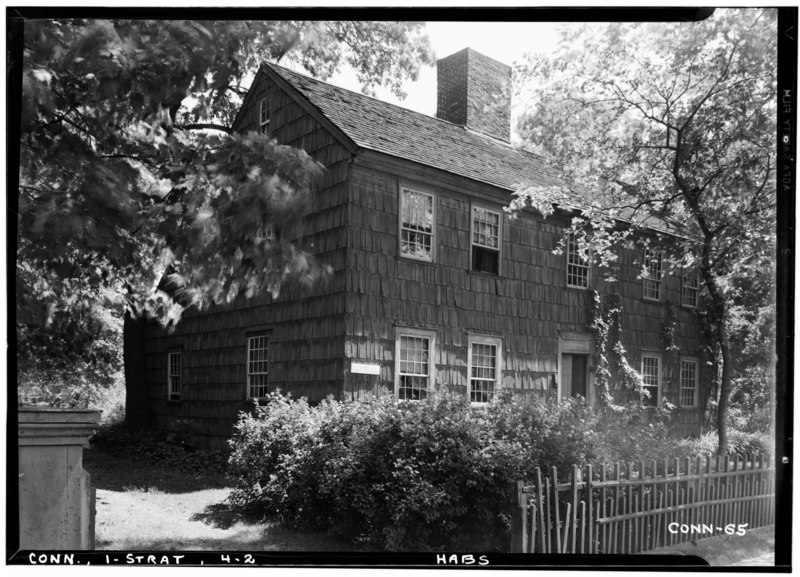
(129, 171)
(677, 121)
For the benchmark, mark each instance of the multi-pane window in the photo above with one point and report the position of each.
(485, 240)
(484, 369)
(651, 377)
(173, 376)
(417, 218)
(653, 268)
(263, 114)
(257, 366)
(577, 265)
(414, 365)
(689, 379)
(690, 287)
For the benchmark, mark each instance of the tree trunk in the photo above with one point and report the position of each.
(724, 386)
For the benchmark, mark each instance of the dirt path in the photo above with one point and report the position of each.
(755, 549)
(140, 507)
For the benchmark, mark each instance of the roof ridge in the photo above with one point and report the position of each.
(385, 103)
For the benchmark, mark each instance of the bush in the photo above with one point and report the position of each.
(158, 448)
(432, 475)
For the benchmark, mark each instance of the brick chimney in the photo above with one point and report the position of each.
(475, 91)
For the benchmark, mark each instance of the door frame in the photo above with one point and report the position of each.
(574, 343)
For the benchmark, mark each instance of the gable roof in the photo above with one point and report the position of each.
(382, 127)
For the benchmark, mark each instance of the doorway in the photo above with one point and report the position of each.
(574, 375)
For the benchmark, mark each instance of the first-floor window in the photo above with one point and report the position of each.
(414, 364)
(484, 368)
(173, 376)
(689, 377)
(257, 366)
(651, 377)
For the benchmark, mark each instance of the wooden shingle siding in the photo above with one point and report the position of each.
(528, 305)
(306, 329)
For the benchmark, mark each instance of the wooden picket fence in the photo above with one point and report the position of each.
(635, 507)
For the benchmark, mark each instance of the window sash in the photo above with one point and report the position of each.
(174, 376)
(484, 370)
(263, 114)
(651, 379)
(654, 265)
(485, 228)
(417, 224)
(577, 266)
(413, 367)
(689, 379)
(690, 287)
(257, 366)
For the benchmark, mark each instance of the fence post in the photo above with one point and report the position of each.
(518, 529)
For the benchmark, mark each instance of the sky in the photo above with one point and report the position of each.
(506, 42)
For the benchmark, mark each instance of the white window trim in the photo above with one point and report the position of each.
(485, 340)
(264, 125)
(588, 266)
(660, 279)
(250, 387)
(400, 225)
(684, 286)
(171, 394)
(696, 387)
(472, 244)
(659, 356)
(419, 333)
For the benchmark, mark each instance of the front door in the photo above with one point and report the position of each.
(574, 375)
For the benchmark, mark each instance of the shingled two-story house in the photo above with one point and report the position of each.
(433, 283)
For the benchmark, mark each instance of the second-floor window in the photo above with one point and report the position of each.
(651, 377)
(174, 376)
(257, 366)
(263, 115)
(417, 219)
(654, 269)
(690, 287)
(485, 240)
(577, 265)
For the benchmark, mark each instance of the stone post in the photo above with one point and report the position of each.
(56, 499)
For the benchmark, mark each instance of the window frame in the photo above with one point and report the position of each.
(250, 386)
(696, 386)
(685, 286)
(264, 104)
(401, 228)
(497, 342)
(430, 335)
(660, 385)
(659, 280)
(481, 206)
(587, 267)
(172, 394)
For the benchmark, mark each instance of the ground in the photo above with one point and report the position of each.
(143, 507)
(755, 549)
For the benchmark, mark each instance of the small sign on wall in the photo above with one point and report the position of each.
(365, 368)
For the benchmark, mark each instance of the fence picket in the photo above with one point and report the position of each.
(623, 512)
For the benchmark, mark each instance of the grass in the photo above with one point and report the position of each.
(146, 507)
